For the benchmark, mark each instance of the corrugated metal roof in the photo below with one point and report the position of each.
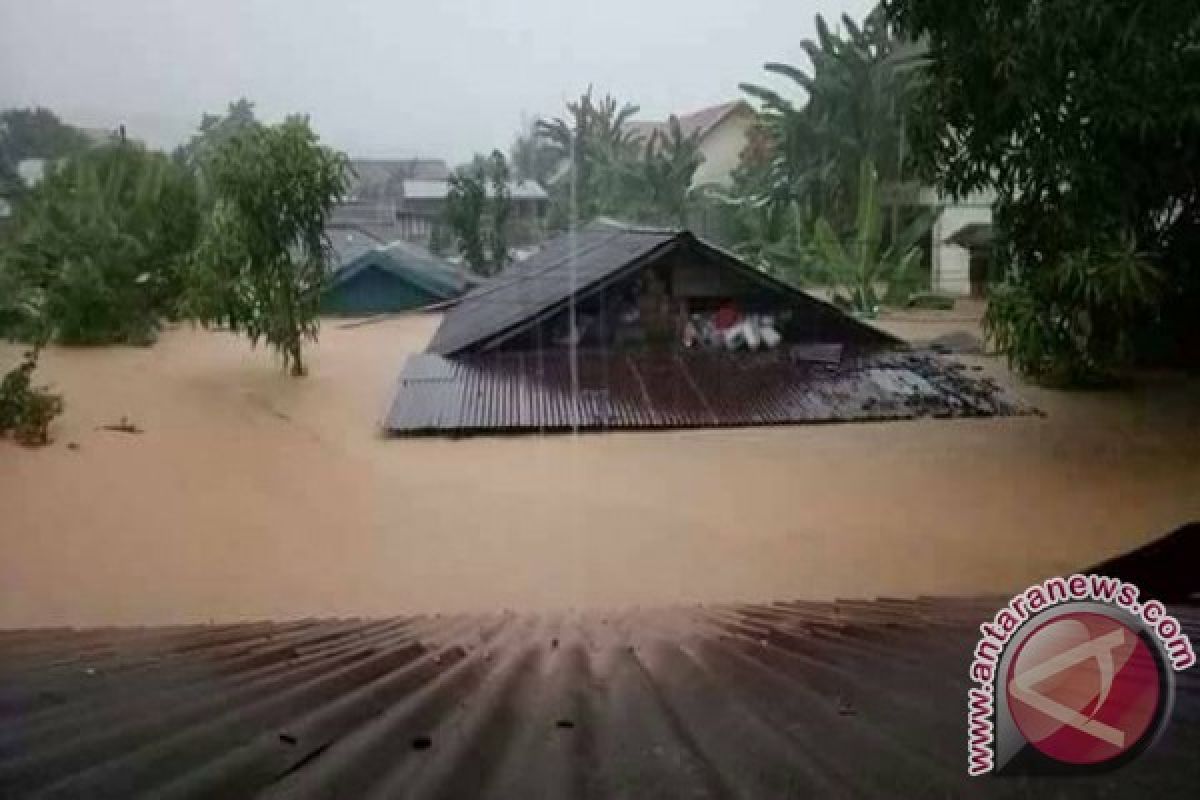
(800, 699)
(437, 190)
(500, 392)
(570, 262)
(409, 262)
(579, 263)
(348, 242)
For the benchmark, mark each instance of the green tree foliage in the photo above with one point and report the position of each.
(861, 265)
(663, 178)
(803, 161)
(25, 410)
(478, 207)
(500, 208)
(531, 159)
(1084, 117)
(1071, 324)
(857, 93)
(99, 246)
(215, 131)
(33, 133)
(605, 168)
(263, 258)
(466, 200)
(595, 145)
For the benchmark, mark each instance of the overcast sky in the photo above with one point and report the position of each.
(440, 78)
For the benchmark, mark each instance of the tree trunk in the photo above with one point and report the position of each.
(298, 368)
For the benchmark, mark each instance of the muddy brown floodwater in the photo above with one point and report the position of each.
(252, 495)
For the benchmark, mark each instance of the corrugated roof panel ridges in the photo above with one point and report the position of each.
(612, 390)
(802, 699)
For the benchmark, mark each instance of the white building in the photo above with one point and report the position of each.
(723, 134)
(955, 269)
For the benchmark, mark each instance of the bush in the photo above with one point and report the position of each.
(27, 411)
(1072, 323)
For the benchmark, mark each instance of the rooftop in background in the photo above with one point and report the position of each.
(438, 189)
(697, 122)
(377, 179)
(349, 241)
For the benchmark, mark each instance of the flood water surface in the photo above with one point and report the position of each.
(253, 495)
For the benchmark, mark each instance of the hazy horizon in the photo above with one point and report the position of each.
(388, 79)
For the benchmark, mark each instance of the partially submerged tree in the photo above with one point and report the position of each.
(27, 410)
(262, 262)
(478, 206)
(100, 244)
(1083, 117)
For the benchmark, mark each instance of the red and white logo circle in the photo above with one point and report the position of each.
(1084, 688)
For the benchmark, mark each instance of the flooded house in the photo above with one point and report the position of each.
(621, 327)
(370, 277)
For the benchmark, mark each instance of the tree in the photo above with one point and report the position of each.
(1083, 118)
(595, 145)
(531, 159)
(262, 262)
(99, 245)
(465, 202)
(33, 133)
(857, 93)
(215, 131)
(861, 264)
(669, 167)
(478, 207)
(500, 208)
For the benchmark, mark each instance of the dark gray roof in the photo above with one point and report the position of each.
(570, 262)
(578, 264)
(785, 700)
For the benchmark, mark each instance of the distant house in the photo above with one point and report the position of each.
(425, 205)
(406, 199)
(724, 132)
(375, 279)
(961, 243)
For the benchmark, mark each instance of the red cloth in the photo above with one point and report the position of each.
(726, 317)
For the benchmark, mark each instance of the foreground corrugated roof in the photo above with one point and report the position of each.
(597, 390)
(787, 700)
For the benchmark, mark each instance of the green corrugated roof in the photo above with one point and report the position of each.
(409, 262)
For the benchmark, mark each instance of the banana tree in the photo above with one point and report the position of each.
(860, 266)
